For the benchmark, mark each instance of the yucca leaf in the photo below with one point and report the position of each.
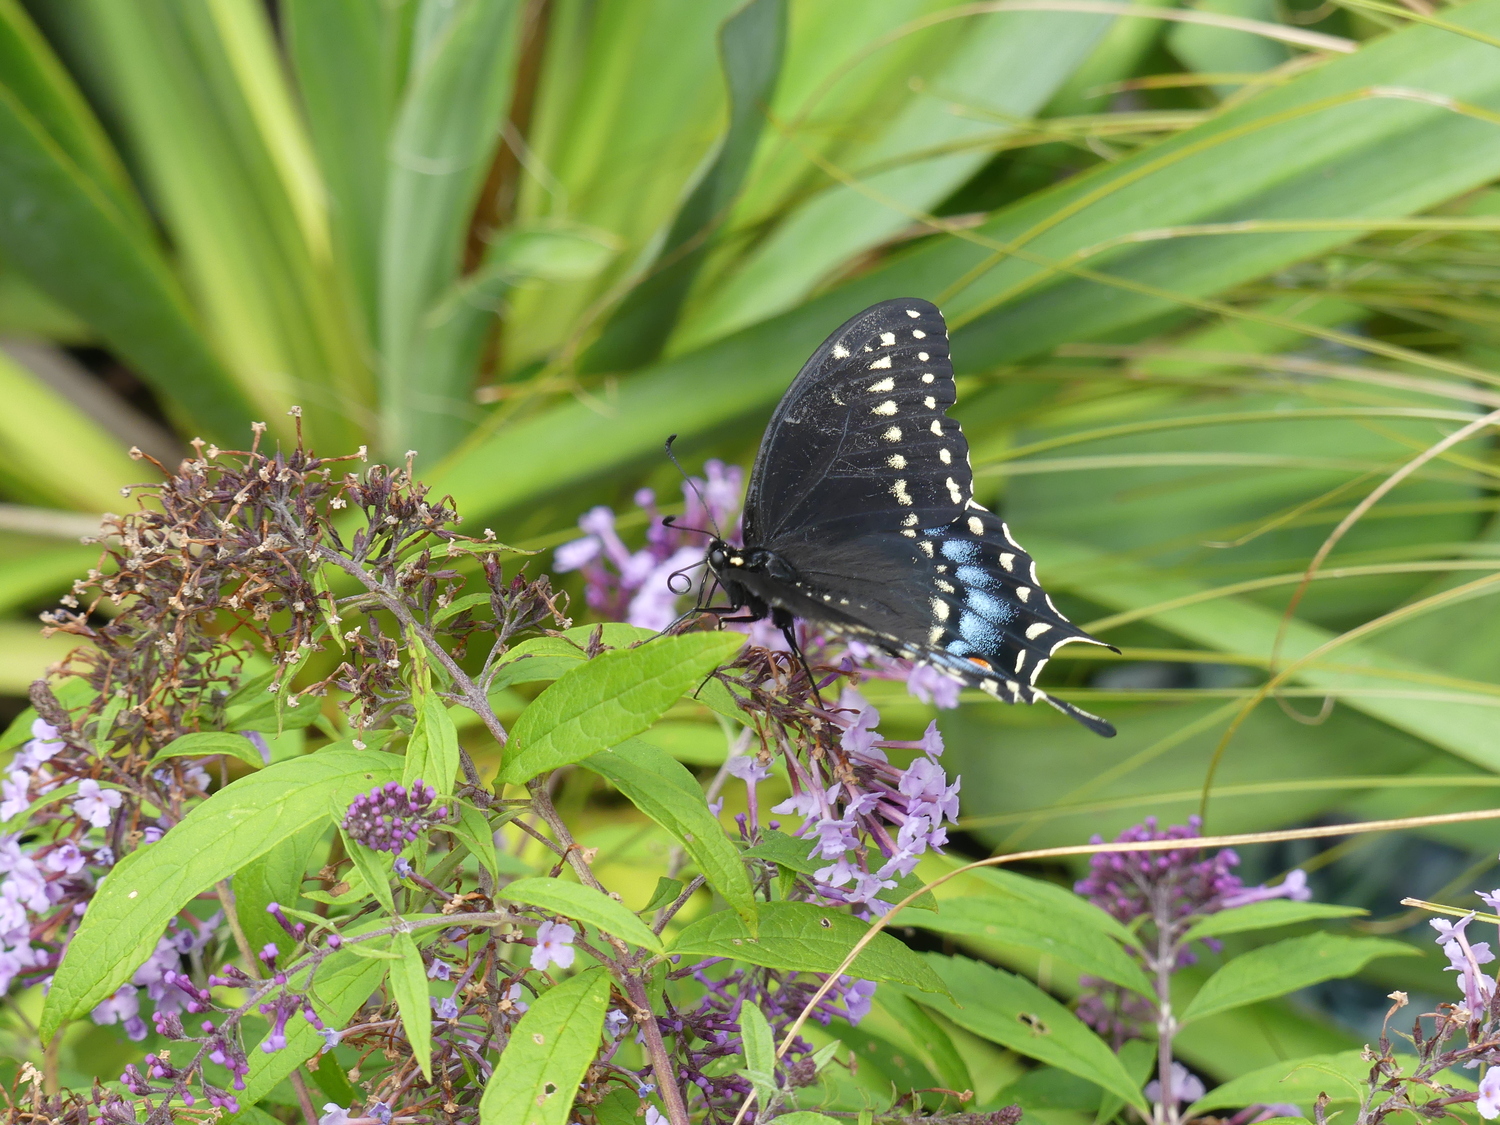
(445, 134)
(751, 44)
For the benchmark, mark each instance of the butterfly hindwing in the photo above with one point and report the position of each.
(862, 440)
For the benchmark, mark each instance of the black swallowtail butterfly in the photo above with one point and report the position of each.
(861, 518)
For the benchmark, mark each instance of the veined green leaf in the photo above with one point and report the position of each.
(583, 904)
(615, 696)
(245, 819)
(804, 937)
(760, 1052)
(409, 987)
(341, 986)
(1285, 966)
(1015, 1013)
(664, 790)
(432, 750)
(1038, 928)
(276, 876)
(1343, 1076)
(205, 743)
(548, 1054)
(1264, 915)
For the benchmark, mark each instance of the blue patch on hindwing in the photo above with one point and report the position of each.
(990, 606)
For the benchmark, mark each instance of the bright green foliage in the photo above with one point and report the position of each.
(609, 699)
(799, 935)
(1010, 1010)
(238, 824)
(584, 904)
(552, 1046)
(1275, 970)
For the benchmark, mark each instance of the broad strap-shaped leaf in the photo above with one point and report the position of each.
(1039, 928)
(583, 904)
(239, 823)
(409, 988)
(432, 749)
(760, 1052)
(1010, 1010)
(445, 132)
(72, 242)
(276, 876)
(1265, 915)
(548, 1054)
(950, 1067)
(615, 696)
(1285, 966)
(801, 936)
(209, 742)
(1049, 897)
(664, 790)
(1343, 1076)
(751, 45)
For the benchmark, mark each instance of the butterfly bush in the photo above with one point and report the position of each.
(1461, 1035)
(1160, 895)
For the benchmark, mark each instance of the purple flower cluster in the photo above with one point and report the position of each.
(1165, 889)
(901, 812)
(711, 1031)
(634, 586)
(1176, 884)
(391, 816)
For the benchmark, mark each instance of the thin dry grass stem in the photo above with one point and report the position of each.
(1381, 490)
(1293, 365)
(1300, 578)
(1233, 840)
(1250, 789)
(1051, 267)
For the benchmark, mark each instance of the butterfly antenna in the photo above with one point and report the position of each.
(691, 483)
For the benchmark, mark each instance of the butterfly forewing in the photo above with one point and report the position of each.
(862, 441)
(863, 487)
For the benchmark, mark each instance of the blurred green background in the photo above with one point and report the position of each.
(1213, 273)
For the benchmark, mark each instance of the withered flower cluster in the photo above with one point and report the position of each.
(288, 553)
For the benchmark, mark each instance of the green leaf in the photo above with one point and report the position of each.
(409, 988)
(549, 1052)
(1264, 915)
(615, 696)
(665, 894)
(477, 833)
(584, 904)
(1344, 1076)
(760, 1052)
(806, 1117)
(206, 743)
(341, 987)
(74, 245)
(253, 706)
(1043, 896)
(806, 938)
(1036, 927)
(446, 130)
(432, 750)
(1285, 966)
(374, 869)
(751, 44)
(638, 770)
(276, 876)
(1010, 1010)
(949, 1066)
(242, 821)
(349, 70)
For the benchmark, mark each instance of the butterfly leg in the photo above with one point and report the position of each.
(787, 624)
